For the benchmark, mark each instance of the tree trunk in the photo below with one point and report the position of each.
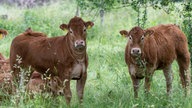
(102, 12)
(77, 11)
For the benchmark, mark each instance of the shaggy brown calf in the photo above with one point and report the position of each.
(38, 84)
(153, 49)
(64, 56)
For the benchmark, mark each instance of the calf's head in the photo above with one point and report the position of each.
(77, 32)
(136, 37)
(56, 86)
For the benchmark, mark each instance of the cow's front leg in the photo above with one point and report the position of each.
(135, 82)
(80, 86)
(67, 90)
(148, 79)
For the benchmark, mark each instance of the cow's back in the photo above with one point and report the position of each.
(20, 47)
(163, 46)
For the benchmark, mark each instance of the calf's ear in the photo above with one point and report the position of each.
(148, 33)
(124, 33)
(64, 27)
(89, 24)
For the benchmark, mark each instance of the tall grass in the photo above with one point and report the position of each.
(108, 84)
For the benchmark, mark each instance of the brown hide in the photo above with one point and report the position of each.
(156, 48)
(63, 56)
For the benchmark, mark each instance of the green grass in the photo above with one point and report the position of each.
(108, 84)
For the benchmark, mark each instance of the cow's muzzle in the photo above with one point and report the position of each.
(135, 52)
(80, 44)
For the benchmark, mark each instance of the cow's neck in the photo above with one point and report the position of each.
(76, 55)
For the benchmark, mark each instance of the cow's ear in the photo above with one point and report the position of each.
(89, 24)
(3, 33)
(124, 33)
(28, 29)
(148, 33)
(64, 27)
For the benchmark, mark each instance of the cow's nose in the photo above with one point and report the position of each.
(79, 43)
(135, 51)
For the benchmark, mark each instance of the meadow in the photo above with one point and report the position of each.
(108, 83)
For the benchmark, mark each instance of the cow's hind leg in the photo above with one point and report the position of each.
(183, 62)
(168, 73)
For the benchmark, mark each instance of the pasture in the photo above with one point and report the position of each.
(108, 83)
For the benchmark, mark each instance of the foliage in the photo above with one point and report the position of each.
(187, 23)
(96, 4)
(108, 83)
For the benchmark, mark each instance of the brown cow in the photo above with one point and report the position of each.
(3, 33)
(63, 56)
(153, 49)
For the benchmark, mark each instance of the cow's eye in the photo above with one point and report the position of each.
(130, 37)
(84, 30)
(70, 31)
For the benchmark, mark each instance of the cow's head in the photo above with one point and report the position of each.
(136, 37)
(77, 32)
(3, 33)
